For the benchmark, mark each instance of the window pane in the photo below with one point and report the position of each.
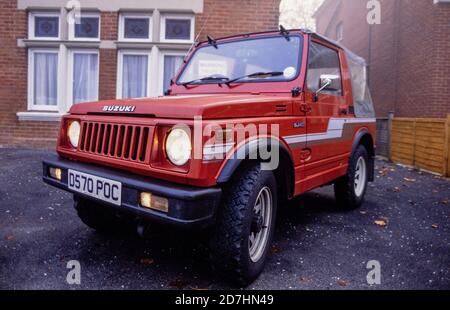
(45, 78)
(322, 61)
(134, 76)
(171, 66)
(85, 77)
(178, 29)
(46, 26)
(137, 28)
(87, 28)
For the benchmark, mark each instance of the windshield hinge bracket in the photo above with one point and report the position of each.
(296, 91)
(284, 33)
(212, 42)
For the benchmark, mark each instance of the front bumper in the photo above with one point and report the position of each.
(189, 207)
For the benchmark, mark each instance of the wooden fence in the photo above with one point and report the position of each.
(421, 142)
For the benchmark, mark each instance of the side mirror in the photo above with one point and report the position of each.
(328, 82)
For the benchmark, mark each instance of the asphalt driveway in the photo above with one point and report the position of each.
(404, 224)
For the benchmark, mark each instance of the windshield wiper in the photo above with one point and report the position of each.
(212, 78)
(257, 75)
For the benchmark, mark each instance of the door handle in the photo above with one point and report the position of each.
(343, 110)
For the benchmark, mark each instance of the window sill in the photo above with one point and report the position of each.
(149, 45)
(57, 43)
(39, 116)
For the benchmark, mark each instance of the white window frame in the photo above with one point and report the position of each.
(89, 15)
(119, 79)
(164, 17)
(31, 105)
(122, 18)
(163, 54)
(70, 72)
(31, 25)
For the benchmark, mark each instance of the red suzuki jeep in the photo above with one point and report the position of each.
(249, 122)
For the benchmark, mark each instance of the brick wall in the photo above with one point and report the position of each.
(440, 88)
(231, 17)
(225, 18)
(13, 84)
(383, 51)
(108, 72)
(108, 57)
(409, 63)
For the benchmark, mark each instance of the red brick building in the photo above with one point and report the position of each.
(115, 49)
(408, 52)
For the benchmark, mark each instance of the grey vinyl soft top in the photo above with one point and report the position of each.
(362, 100)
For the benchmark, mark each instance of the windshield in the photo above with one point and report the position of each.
(245, 60)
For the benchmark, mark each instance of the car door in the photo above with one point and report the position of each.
(325, 111)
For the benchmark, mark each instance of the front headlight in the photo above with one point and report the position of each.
(178, 147)
(73, 132)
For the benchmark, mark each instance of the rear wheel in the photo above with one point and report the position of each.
(244, 229)
(102, 218)
(350, 189)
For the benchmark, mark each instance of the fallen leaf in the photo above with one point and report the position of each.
(274, 249)
(10, 237)
(396, 189)
(147, 261)
(435, 226)
(342, 282)
(409, 180)
(178, 284)
(381, 222)
(305, 280)
(383, 171)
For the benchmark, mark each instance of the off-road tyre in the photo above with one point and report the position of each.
(229, 241)
(347, 193)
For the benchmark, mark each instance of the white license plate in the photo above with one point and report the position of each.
(97, 187)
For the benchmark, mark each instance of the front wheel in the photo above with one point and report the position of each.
(244, 229)
(350, 189)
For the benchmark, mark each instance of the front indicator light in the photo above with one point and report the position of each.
(150, 201)
(73, 132)
(55, 173)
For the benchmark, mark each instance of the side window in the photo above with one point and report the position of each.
(323, 61)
